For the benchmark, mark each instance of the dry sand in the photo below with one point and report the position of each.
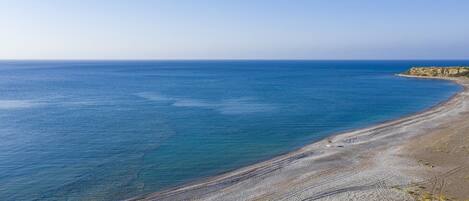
(423, 156)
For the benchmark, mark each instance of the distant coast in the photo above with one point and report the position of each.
(424, 156)
(434, 71)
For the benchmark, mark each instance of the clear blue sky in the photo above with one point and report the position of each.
(234, 29)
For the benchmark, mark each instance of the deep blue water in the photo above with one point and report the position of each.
(105, 130)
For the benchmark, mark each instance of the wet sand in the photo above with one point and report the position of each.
(421, 156)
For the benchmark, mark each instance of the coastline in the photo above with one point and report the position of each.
(365, 164)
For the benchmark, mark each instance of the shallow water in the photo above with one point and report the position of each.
(106, 130)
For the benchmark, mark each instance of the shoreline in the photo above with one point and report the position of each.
(363, 164)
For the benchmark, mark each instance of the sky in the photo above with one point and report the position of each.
(234, 29)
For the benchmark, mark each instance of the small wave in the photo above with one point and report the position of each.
(193, 103)
(242, 105)
(154, 96)
(17, 104)
(228, 106)
(236, 106)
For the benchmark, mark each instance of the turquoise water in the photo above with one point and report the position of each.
(106, 130)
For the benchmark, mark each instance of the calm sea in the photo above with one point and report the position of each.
(106, 130)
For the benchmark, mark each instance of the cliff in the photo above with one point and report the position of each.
(453, 71)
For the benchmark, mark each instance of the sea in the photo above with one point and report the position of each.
(111, 130)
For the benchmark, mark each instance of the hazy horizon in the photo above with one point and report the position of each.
(234, 30)
(228, 59)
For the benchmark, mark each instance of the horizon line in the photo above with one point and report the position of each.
(241, 59)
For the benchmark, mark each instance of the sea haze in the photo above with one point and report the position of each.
(107, 130)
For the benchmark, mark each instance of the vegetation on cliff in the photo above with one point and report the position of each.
(433, 71)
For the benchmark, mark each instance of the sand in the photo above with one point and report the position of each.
(422, 156)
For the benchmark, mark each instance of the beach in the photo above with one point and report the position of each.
(416, 157)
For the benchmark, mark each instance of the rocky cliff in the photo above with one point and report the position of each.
(453, 71)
